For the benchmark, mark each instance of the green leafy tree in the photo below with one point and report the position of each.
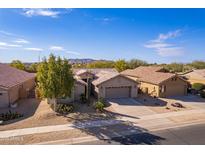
(101, 64)
(134, 63)
(121, 65)
(17, 64)
(33, 68)
(55, 78)
(198, 86)
(174, 67)
(198, 64)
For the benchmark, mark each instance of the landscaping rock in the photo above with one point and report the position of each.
(178, 105)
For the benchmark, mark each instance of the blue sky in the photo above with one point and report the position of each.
(154, 35)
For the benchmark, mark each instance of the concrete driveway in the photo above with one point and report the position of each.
(191, 100)
(128, 107)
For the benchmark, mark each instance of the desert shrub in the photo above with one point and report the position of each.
(99, 105)
(64, 108)
(10, 116)
(202, 93)
(198, 86)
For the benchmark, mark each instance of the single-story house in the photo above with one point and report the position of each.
(196, 76)
(14, 84)
(156, 82)
(78, 89)
(108, 83)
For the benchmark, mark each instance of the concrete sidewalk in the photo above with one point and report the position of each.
(47, 129)
(156, 121)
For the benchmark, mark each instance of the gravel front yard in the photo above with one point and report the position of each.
(38, 113)
(162, 105)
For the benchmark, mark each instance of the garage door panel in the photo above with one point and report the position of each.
(117, 92)
(175, 91)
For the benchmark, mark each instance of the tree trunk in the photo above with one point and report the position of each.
(55, 104)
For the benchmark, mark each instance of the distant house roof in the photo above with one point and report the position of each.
(150, 74)
(10, 76)
(104, 76)
(92, 70)
(197, 74)
(80, 82)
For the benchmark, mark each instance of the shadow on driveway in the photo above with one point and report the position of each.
(120, 133)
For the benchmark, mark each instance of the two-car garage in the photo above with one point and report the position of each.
(116, 86)
(118, 92)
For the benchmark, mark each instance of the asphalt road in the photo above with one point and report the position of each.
(189, 135)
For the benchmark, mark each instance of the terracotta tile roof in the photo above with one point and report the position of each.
(150, 74)
(197, 74)
(92, 70)
(104, 76)
(10, 76)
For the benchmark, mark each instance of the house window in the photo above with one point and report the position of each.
(163, 89)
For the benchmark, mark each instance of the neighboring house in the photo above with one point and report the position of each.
(156, 82)
(196, 76)
(107, 83)
(14, 84)
(78, 89)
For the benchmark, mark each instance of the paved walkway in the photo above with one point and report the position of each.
(156, 121)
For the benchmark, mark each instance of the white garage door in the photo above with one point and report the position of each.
(117, 92)
(4, 101)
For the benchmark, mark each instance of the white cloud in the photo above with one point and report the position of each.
(73, 52)
(163, 48)
(57, 48)
(5, 33)
(8, 34)
(4, 44)
(21, 41)
(34, 49)
(40, 12)
(157, 45)
(45, 12)
(164, 37)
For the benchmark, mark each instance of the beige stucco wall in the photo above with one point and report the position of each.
(118, 81)
(26, 87)
(175, 88)
(152, 89)
(78, 90)
(14, 93)
(4, 99)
